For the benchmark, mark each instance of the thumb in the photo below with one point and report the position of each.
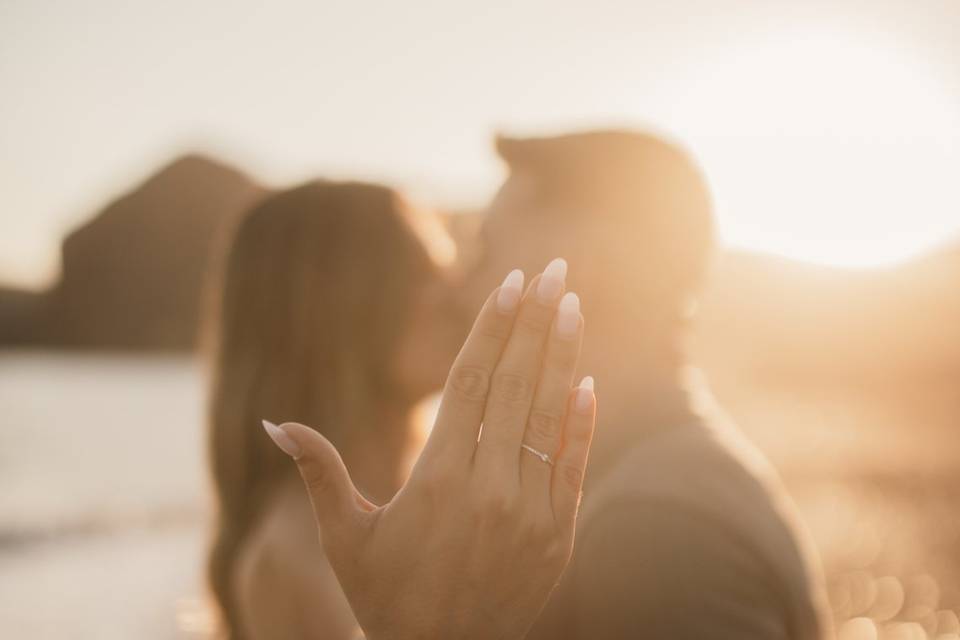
(337, 504)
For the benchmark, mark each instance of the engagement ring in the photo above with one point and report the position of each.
(540, 454)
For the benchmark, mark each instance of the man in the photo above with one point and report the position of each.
(685, 531)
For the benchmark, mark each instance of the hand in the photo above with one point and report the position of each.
(476, 539)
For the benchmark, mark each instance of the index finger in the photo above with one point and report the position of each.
(457, 427)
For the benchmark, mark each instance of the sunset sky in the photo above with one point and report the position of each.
(830, 130)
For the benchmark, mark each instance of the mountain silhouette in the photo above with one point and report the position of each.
(780, 317)
(133, 276)
(838, 372)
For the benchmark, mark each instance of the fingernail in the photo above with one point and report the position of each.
(585, 398)
(568, 315)
(510, 291)
(282, 440)
(552, 280)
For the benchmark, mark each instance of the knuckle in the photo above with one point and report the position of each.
(533, 323)
(495, 506)
(578, 431)
(316, 482)
(572, 476)
(562, 358)
(544, 424)
(494, 330)
(469, 383)
(554, 552)
(512, 388)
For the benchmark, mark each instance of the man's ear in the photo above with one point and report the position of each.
(518, 191)
(506, 147)
(516, 152)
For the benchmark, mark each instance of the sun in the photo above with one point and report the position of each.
(828, 148)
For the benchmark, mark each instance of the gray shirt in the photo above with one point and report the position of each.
(688, 535)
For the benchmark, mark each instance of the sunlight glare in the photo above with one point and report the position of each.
(828, 149)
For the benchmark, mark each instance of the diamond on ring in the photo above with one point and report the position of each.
(540, 454)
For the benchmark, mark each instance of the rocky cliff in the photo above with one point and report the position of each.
(133, 276)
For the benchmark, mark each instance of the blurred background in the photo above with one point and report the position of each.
(130, 132)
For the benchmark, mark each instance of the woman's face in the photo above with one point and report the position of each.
(433, 335)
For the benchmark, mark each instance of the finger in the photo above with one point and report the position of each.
(572, 460)
(464, 395)
(544, 429)
(516, 375)
(337, 505)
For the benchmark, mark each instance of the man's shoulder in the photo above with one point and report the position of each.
(706, 469)
(712, 478)
(701, 510)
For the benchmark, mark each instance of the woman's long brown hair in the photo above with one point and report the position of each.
(315, 290)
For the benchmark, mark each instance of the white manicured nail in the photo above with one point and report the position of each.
(585, 398)
(568, 315)
(552, 281)
(510, 291)
(282, 440)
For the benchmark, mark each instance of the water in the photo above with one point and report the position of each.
(104, 498)
(102, 495)
(874, 470)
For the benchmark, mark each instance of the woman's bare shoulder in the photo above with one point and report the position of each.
(284, 585)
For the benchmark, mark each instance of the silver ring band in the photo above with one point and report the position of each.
(540, 454)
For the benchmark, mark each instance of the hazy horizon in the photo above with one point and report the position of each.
(830, 134)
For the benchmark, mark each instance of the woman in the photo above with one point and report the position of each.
(331, 313)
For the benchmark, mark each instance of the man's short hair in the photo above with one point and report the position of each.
(649, 189)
